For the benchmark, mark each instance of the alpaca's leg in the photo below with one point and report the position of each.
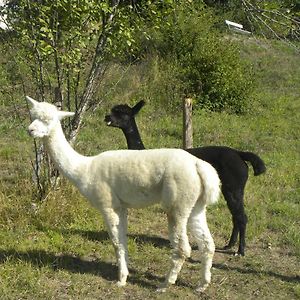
(242, 227)
(199, 230)
(116, 221)
(234, 235)
(241, 219)
(235, 203)
(239, 227)
(231, 203)
(181, 248)
(124, 228)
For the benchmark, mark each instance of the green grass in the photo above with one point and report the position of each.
(59, 248)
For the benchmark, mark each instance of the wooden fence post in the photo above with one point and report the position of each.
(187, 123)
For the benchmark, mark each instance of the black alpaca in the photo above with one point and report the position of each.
(228, 162)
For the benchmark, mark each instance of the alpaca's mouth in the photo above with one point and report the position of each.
(107, 120)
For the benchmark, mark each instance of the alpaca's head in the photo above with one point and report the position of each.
(45, 117)
(121, 115)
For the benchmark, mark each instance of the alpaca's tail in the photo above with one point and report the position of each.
(257, 163)
(210, 182)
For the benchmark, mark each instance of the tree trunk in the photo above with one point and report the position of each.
(97, 69)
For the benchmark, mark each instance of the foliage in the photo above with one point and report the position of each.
(60, 38)
(276, 19)
(273, 19)
(132, 28)
(204, 65)
(56, 36)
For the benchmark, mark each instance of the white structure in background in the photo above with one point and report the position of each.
(236, 27)
(2, 18)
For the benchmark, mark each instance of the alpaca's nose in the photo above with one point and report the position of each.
(107, 120)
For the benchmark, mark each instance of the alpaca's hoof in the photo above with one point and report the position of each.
(121, 283)
(162, 288)
(201, 288)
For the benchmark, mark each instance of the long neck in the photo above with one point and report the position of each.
(133, 137)
(67, 160)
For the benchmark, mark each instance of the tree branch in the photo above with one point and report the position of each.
(97, 69)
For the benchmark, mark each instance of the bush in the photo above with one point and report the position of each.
(202, 63)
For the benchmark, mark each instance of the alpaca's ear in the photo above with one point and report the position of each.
(138, 107)
(64, 114)
(31, 101)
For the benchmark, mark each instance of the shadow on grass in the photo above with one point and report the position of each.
(245, 270)
(226, 251)
(109, 271)
(99, 236)
(255, 272)
(106, 270)
(102, 235)
(41, 258)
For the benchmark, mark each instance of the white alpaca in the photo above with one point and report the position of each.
(116, 180)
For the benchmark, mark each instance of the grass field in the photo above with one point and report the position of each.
(59, 248)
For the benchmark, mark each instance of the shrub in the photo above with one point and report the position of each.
(203, 64)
